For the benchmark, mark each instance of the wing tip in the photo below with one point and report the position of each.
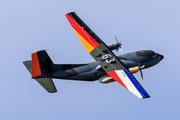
(52, 91)
(70, 13)
(146, 97)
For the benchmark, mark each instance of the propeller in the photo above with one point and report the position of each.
(119, 43)
(140, 68)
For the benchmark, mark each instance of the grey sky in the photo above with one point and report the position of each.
(28, 26)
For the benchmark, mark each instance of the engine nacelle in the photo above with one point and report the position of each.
(113, 46)
(134, 70)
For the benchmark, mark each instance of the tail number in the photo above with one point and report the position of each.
(108, 58)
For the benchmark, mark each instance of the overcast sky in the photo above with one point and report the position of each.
(27, 26)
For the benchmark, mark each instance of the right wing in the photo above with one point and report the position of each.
(108, 61)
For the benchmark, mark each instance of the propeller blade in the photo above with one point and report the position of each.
(119, 45)
(141, 74)
(122, 51)
(141, 70)
(116, 39)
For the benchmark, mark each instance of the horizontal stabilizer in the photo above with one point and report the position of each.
(47, 83)
(28, 65)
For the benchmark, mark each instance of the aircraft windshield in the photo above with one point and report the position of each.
(154, 56)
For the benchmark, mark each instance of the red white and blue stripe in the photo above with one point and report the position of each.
(129, 82)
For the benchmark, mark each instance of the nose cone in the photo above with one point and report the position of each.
(161, 56)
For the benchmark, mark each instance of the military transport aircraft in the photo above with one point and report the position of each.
(106, 68)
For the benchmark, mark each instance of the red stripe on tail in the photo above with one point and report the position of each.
(36, 71)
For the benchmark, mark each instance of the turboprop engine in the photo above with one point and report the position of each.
(134, 70)
(113, 46)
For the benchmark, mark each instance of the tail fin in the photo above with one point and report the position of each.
(47, 83)
(41, 64)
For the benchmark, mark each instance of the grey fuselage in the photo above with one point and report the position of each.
(92, 71)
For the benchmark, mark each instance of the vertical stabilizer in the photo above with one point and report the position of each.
(41, 64)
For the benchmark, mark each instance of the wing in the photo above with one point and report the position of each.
(108, 61)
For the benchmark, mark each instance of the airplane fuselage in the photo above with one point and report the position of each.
(92, 71)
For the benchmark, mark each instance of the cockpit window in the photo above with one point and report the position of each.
(154, 56)
(145, 53)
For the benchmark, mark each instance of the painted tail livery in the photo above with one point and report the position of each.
(39, 67)
(43, 70)
(41, 64)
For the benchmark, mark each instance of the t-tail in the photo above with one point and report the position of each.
(40, 67)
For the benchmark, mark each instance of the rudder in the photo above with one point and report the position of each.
(41, 64)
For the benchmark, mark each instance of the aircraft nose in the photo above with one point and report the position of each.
(161, 56)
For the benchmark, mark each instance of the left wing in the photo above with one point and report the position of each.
(108, 61)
